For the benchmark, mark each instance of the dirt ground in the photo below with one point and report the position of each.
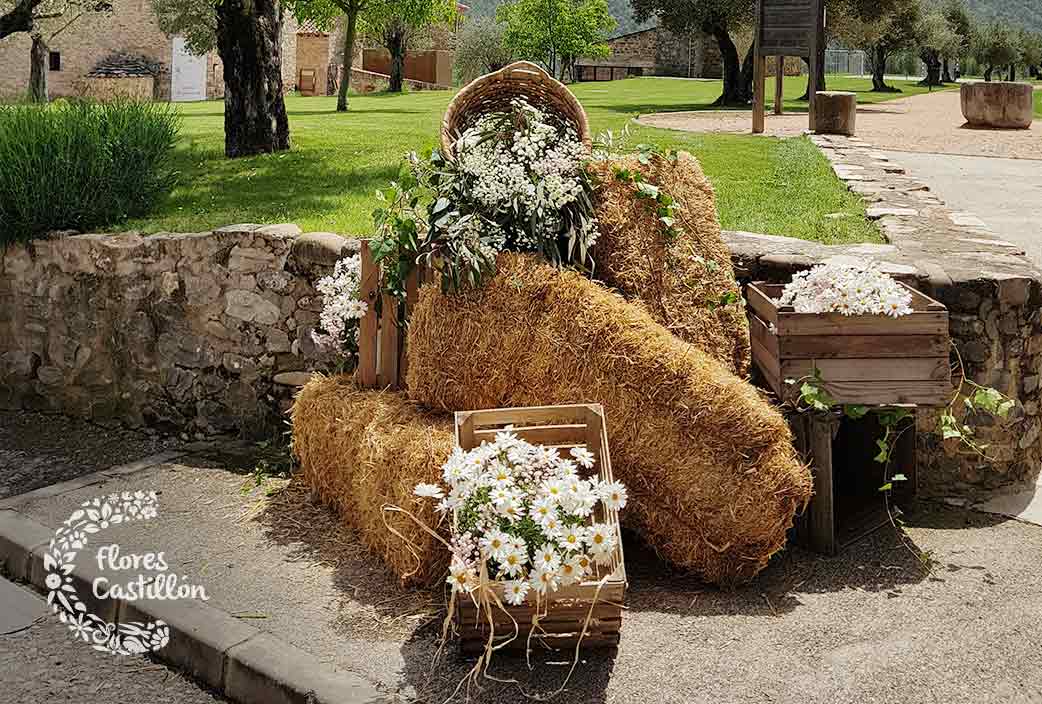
(930, 123)
(948, 610)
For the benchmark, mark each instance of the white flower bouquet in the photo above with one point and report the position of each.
(516, 181)
(847, 288)
(341, 309)
(524, 517)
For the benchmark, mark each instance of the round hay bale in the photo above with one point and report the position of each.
(360, 450)
(714, 480)
(679, 279)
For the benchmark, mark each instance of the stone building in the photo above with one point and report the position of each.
(130, 30)
(655, 52)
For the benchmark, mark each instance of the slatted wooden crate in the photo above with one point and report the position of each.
(866, 359)
(382, 359)
(561, 427)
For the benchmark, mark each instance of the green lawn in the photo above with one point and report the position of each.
(1038, 102)
(327, 180)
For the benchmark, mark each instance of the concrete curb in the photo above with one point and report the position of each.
(243, 663)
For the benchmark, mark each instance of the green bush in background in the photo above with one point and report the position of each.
(82, 165)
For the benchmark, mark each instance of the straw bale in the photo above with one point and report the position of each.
(360, 450)
(678, 278)
(714, 479)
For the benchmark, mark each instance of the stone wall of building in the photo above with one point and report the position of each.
(206, 333)
(130, 28)
(313, 54)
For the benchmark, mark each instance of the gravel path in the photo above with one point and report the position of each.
(44, 664)
(39, 449)
(924, 123)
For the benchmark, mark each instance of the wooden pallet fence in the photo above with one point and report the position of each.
(382, 359)
(866, 359)
(561, 427)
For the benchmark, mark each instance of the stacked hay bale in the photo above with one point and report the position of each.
(714, 479)
(679, 276)
(361, 450)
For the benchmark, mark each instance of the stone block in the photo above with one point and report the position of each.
(997, 104)
(251, 307)
(836, 112)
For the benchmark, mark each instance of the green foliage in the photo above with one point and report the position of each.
(81, 165)
(556, 32)
(195, 20)
(995, 46)
(480, 49)
(1021, 13)
(620, 10)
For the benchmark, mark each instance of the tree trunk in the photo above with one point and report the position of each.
(987, 73)
(736, 88)
(946, 71)
(933, 70)
(18, 18)
(821, 65)
(350, 31)
(394, 40)
(1012, 72)
(248, 41)
(879, 71)
(38, 70)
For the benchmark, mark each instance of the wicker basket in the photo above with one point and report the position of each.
(494, 91)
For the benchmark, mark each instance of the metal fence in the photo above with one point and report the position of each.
(842, 61)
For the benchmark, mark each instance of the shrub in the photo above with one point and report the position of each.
(480, 50)
(80, 165)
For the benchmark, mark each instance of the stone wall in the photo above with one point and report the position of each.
(207, 332)
(992, 291)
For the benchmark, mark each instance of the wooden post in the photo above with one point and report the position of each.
(759, 71)
(369, 291)
(779, 85)
(387, 374)
(815, 66)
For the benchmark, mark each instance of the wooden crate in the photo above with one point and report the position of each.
(382, 359)
(561, 427)
(848, 503)
(866, 359)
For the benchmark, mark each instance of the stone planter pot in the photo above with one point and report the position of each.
(836, 112)
(998, 104)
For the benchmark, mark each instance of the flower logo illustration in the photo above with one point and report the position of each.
(90, 518)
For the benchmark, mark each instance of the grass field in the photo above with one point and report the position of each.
(326, 181)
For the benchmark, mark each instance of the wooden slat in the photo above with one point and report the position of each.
(759, 331)
(368, 291)
(821, 525)
(765, 361)
(855, 346)
(531, 415)
(542, 435)
(779, 85)
(870, 370)
(412, 295)
(759, 97)
(891, 393)
(761, 304)
(919, 323)
(387, 370)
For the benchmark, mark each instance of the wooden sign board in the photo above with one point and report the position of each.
(786, 28)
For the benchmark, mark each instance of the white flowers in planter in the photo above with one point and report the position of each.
(341, 308)
(849, 289)
(524, 517)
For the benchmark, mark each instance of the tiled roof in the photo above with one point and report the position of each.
(122, 65)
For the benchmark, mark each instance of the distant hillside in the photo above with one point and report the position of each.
(1025, 13)
(621, 10)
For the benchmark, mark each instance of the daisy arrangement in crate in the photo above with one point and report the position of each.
(848, 288)
(536, 549)
(342, 310)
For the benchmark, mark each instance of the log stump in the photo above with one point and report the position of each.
(998, 104)
(836, 112)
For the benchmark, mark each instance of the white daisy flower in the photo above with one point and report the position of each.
(553, 489)
(462, 578)
(544, 581)
(581, 566)
(613, 495)
(543, 509)
(601, 539)
(514, 561)
(583, 456)
(496, 544)
(428, 491)
(547, 558)
(515, 591)
(572, 538)
(568, 573)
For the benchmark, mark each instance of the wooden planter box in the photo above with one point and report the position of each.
(865, 360)
(561, 427)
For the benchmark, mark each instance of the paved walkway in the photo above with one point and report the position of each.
(1004, 193)
(871, 625)
(924, 123)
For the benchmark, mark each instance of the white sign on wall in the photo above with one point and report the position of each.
(187, 74)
